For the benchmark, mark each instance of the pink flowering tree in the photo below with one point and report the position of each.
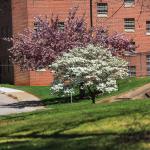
(39, 47)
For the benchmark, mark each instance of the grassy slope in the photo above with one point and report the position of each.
(79, 126)
(129, 84)
(44, 92)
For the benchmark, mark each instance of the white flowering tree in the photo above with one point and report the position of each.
(95, 67)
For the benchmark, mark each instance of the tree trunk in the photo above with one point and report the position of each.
(81, 91)
(93, 98)
(92, 95)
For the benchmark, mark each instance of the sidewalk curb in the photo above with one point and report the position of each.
(20, 95)
(9, 95)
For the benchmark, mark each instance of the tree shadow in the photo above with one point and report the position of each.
(23, 104)
(79, 141)
(85, 141)
(45, 102)
(127, 137)
(16, 145)
(134, 137)
(62, 100)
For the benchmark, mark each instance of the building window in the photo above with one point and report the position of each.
(41, 70)
(5, 31)
(132, 51)
(129, 3)
(132, 71)
(102, 9)
(148, 64)
(129, 24)
(37, 26)
(133, 45)
(61, 25)
(148, 27)
(1, 32)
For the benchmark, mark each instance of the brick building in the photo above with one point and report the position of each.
(125, 16)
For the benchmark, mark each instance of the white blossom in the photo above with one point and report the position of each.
(94, 66)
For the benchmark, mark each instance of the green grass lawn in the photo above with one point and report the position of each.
(79, 126)
(128, 84)
(45, 94)
(41, 91)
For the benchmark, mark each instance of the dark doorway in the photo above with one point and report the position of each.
(6, 68)
(0, 72)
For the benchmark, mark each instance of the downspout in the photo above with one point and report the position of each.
(141, 69)
(91, 13)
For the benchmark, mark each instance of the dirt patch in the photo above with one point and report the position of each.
(138, 93)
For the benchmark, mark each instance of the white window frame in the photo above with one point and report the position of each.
(129, 24)
(148, 64)
(129, 3)
(61, 25)
(147, 27)
(132, 71)
(41, 70)
(102, 12)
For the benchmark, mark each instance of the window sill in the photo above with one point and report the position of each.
(102, 15)
(148, 33)
(40, 70)
(127, 5)
(130, 54)
(129, 30)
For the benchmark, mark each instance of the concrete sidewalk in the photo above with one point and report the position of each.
(16, 101)
(18, 94)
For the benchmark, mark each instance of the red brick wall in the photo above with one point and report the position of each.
(40, 78)
(139, 61)
(32, 78)
(24, 12)
(20, 22)
(56, 7)
(23, 16)
(21, 77)
(116, 23)
(19, 15)
(113, 22)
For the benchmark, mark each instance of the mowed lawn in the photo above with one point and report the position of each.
(80, 126)
(44, 92)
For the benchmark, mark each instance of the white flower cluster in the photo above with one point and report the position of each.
(93, 65)
(69, 91)
(58, 87)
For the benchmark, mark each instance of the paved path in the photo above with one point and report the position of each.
(137, 93)
(16, 101)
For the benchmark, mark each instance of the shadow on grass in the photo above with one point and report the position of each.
(63, 100)
(23, 104)
(96, 141)
(39, 140)
(123, 137)
(46, 102)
